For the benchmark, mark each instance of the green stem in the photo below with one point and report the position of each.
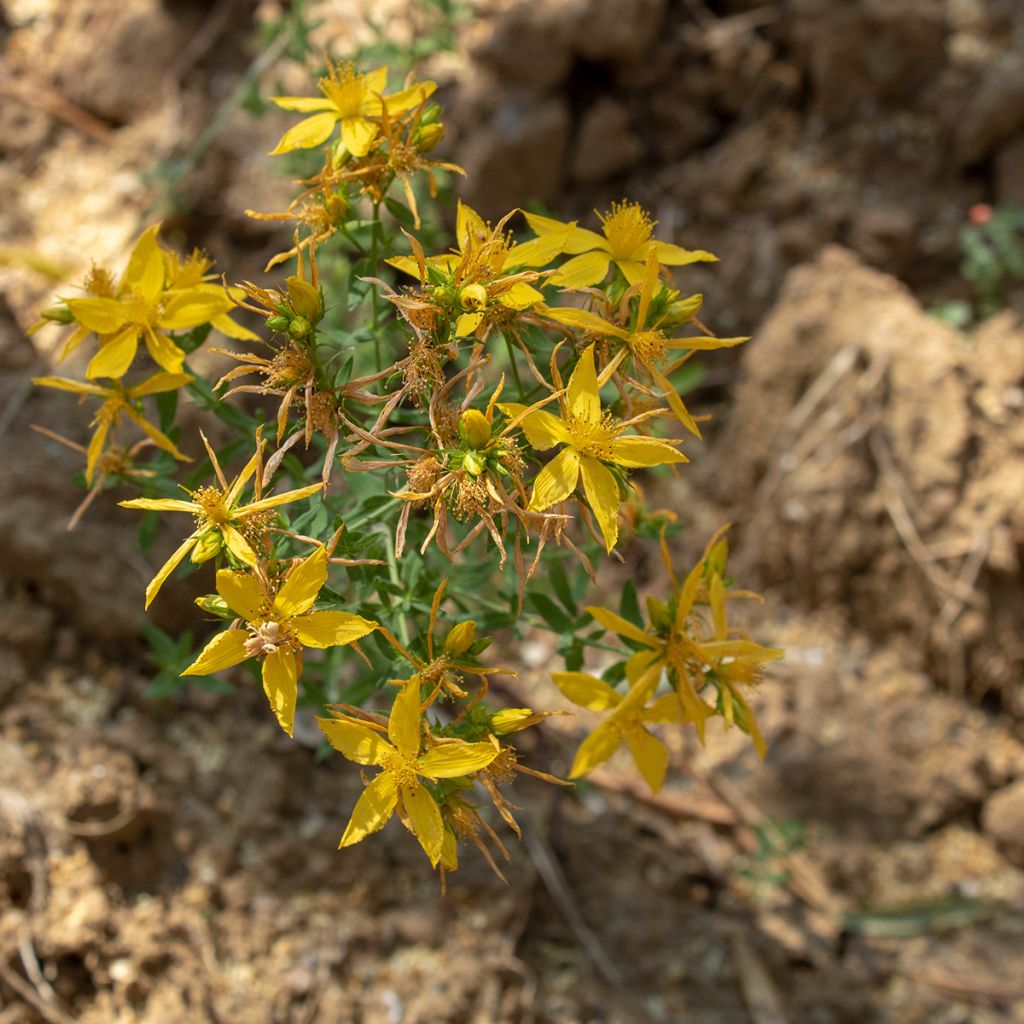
(396, 578)
(374, 308)
(515, 367)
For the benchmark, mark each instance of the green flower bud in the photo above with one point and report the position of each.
(304, 298)
(278, 323)
(473, 463)
(299, 327)
(207, 547)
(59, 314)
(460, 638)
(214, 604)
(657, 612)
(428, 136)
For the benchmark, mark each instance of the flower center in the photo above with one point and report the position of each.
(647, 346)
(345, 89)
(266, 638)
(593, 439)
(211, 504)
(626, 226)
(402, 768)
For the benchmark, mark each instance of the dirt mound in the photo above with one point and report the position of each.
(879, 457)
(759, 131)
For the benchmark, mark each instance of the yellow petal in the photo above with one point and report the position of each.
(740, 649)
(467, 323)
(95, 449)
(237, 544)
(663, 711)
(226, 325)
(450, 851)
(582, 392)
(303, 104)
(596, 749)
(538, 252)
(674, 401)
(104, 316)
(194, 306)
(164, 352)
(406, 99)
(113, 358)
(602, 493)
(355, 741)
(424, 818)
(542, 430)
(223, 651)
(330, 629)
(577, 239)
(146, 267)
(556, 481)
(585, 320)
(159, 383)
(161, 505)
(404, 722)
(582, 271)
(157, 436)
(357, 133)
(617, 624)
(643, 451)
(650, 756)
(241, 592)
(302, 584)
(406, 264)
(706, 343)
(520, 296)
(275, 500)
(454, 760)
(168, 567)
(632, 270)
(676, 256)
(308, 133)
(716, 599)
(77, 387)
(586, 690)
(469, 226)
(281, 685)
(372, 810)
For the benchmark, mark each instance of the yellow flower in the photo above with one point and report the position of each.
(354, 100)
(119, 401)
(482, 281)
(404, 762)
(144, 305)
(591, 441)
(673, 643)
(278, 625)
(625, 241)
(646, 342)
(626, 723)
(220, 520)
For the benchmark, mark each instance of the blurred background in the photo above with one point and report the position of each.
(166, 855)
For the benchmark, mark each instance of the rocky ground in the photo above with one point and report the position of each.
(172, 861)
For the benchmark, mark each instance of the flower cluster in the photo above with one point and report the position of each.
(472, 422)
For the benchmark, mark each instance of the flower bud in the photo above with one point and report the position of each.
(473, 297)
(278, 323)
(59, 314)
(304, 298)
(428, 136)
(473, 463)
(474, 428)
(657, 612)
(336, 205)
(214, 604)
(299, 327)
(442, 295)
(510, 720)
(207, 547)
(460, 638)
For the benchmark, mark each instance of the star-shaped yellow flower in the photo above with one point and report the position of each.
(592, 440)
(625, 240)
(278, 625)
(627, 722)
(404, 761)
(120, 401)
(646, 342)
(149, 300)
(354, 100)
(221, 520)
